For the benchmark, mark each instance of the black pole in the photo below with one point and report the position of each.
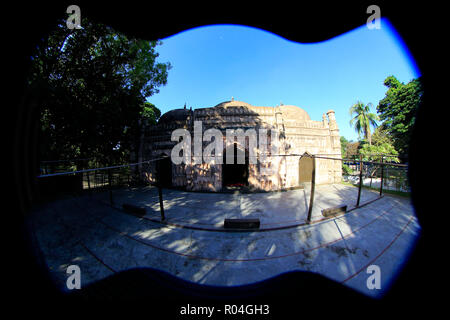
(382, 174)
(161, 205)
(110, 187)
(360, 179)
(89, 183)
(159, 183)
(313, 185)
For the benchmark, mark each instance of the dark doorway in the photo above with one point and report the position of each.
(164, 168)
(234, 175)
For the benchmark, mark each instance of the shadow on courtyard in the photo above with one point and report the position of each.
(284, 208)
(104, 240)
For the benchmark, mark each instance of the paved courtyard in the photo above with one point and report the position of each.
(192, 245)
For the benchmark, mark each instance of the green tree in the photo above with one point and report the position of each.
(92, 85)
(363, 119)
(344, 143)
(398, 110)
(150, 113)
(381, 135)
(382, 145)
(149, 116)
(345, 168)
(351, 151)
(374, 152)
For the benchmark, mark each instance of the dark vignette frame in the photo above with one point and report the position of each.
(293, 292)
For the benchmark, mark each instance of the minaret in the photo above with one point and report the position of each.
(334, 132)
(335, 146)
(332, 121)
(324, 121)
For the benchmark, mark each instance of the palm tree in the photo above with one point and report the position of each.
(363, 119)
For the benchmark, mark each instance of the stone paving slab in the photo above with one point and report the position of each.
(103, 240)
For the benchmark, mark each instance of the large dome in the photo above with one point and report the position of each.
(289, 112)
(294, 113)
(233, 103)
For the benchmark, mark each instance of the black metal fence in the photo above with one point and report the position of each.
(381, 176)
(59, 178)
(377, 174)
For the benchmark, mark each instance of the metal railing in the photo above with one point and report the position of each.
(386, 173)
(98, 179)
(379, 175)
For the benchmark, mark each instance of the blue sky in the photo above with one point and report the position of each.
(211, 64)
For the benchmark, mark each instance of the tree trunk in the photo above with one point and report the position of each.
(368, 136)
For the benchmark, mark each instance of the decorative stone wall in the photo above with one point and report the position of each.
(298, 134)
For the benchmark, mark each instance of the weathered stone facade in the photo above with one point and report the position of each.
(298, 134)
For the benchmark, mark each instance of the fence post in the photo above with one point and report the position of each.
(159, 182)
(382, 174)
(360, 179)
(387, 176)
(110, 188)
(161, 205)
(313, 185)
(88, 181)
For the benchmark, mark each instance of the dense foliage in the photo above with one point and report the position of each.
(398, 110)
(382, 144)
(92, 85)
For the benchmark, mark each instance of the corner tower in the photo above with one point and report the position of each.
(335, 144)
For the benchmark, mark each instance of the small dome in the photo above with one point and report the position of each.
(294, 113)
(174, 115)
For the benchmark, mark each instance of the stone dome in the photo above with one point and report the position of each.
(233, 103)
(294, 113)
(174, 115)
(290, 112)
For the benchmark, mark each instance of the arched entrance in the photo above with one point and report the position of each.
(164, 168)
(234, 174)
(305, 168)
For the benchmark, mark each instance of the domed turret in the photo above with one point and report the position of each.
(174, 115)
